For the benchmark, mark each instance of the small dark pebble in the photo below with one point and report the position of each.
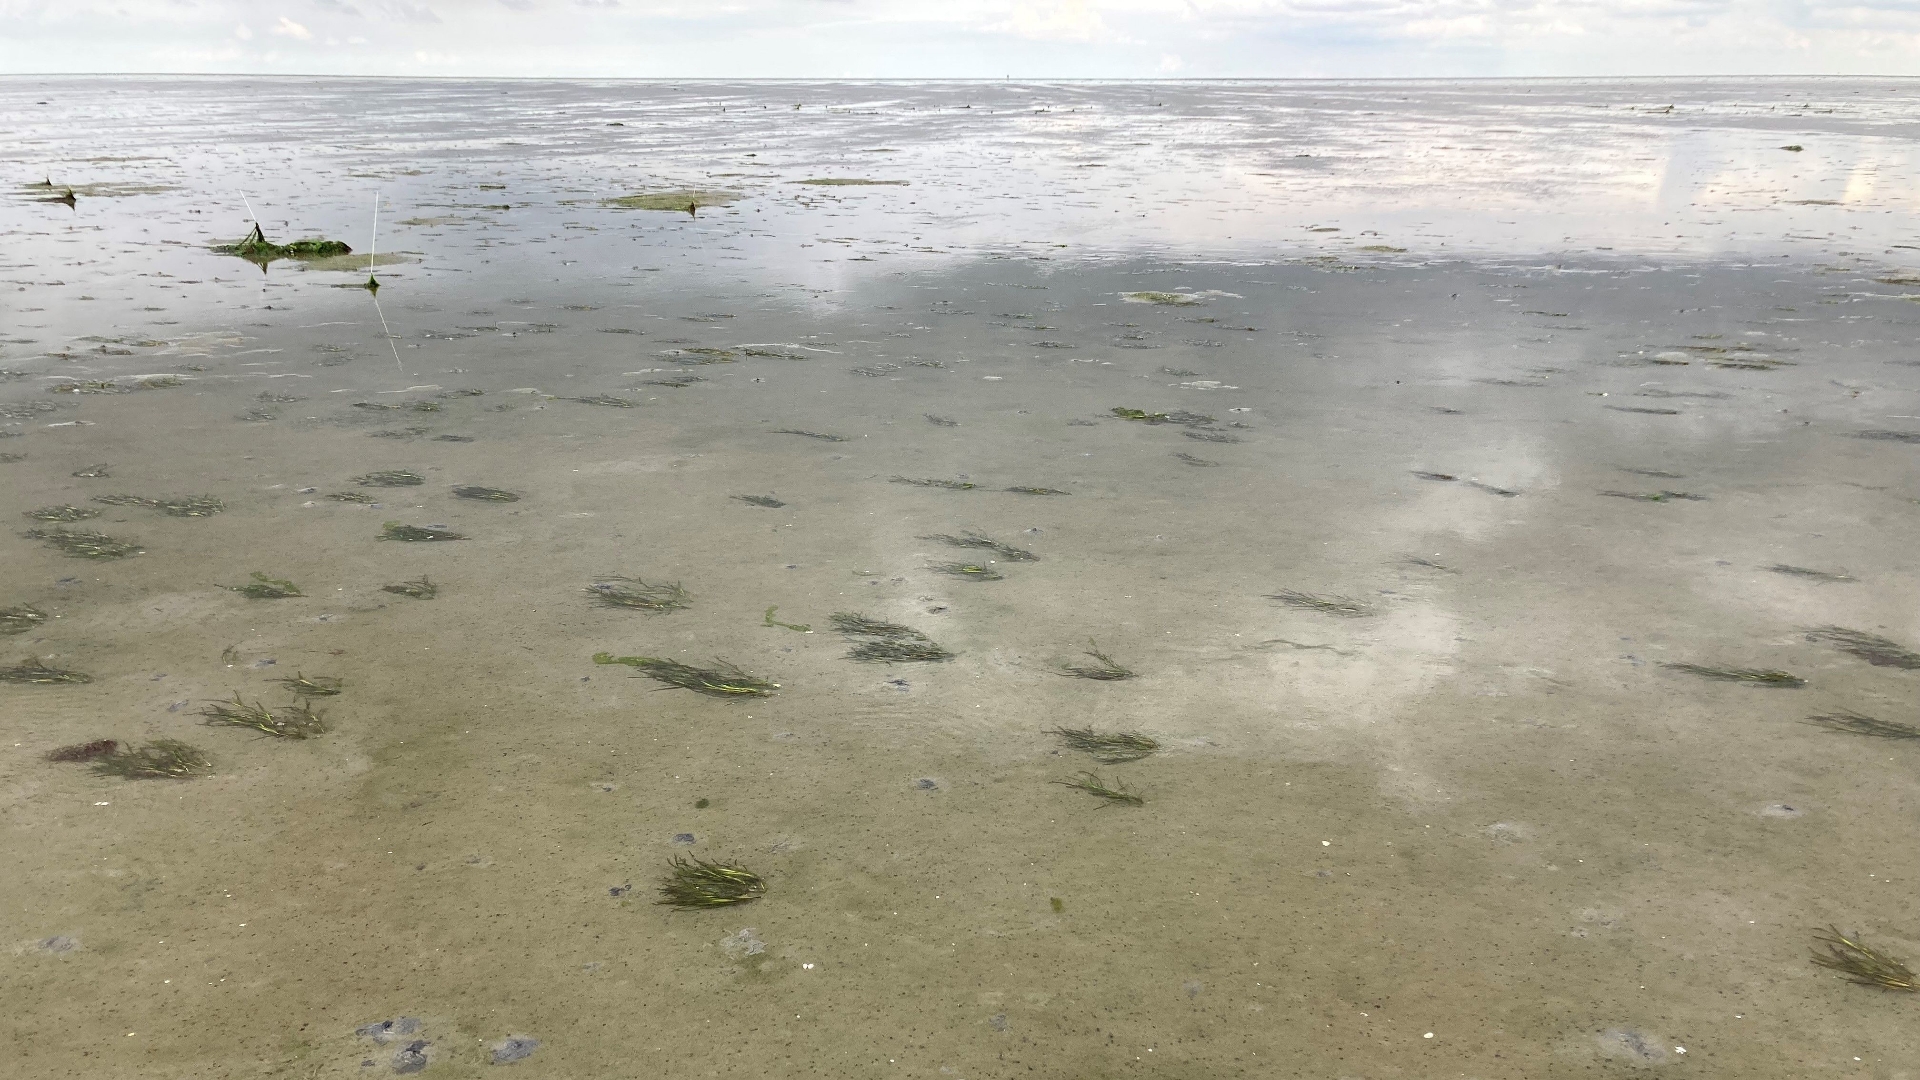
(702, 804)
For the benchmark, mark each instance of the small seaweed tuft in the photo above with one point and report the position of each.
(969, 571)
(485, 494)
(63, 513)
(161, 759)
(35, 672)
(1852, 723)
(263, 587)
(391, 478)
(722, 680)
(985, 543)
(296, 721)
(19, 620)
(421, 588)
(1874, 649)
(189, 506)
(1766, 677)
(921, 481)
(1103, 669)
(767, 501)
(85, 543)
(1809, 573)
(1860, 963)
(1656, 496)
(1115, 794)
(394, 530)
(694, 883)
(876, 641)
(318, 686)
(626, 592)
(1108, 747)
(1344, 606)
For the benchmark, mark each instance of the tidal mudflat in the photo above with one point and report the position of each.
(1250, 580)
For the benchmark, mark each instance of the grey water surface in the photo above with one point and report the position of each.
(1462, 411)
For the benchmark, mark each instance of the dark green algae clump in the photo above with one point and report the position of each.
(256, 248)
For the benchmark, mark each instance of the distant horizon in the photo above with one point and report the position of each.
(1171, 80)
(1078, 40)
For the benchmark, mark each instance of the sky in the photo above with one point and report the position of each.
(1021, 39)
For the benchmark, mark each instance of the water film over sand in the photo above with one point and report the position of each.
(1240, 580)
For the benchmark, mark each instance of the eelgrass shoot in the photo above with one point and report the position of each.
(1751, 676)
(318, 686)
(1110, 795)
(626, 592)
(926, 481)
(1141, 414)
(419, 589)
(33, 672)
(485, 494)
(1103, 669)
(63, 513)
(394, 530)
(694, 883)
(1344, 606)
(1859, 962)
(722, 680)
(1108, 747)
(1810, 573)
(391, 478)
(353, 497)
(1037, 491)
(296, 721)
(85, 543)
(1853, 723)
(263, 587)
(985, 543)
(970, 571)
(767, 501)
(608, 400)
(19, 620)
(161, 759)
(1874, 649)
(821, 435)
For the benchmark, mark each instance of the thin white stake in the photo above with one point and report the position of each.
(373, 245)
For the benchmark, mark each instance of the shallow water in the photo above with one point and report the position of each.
(1478, 830)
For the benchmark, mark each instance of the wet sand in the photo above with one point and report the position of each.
(1479, 830)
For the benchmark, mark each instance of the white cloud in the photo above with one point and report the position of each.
(1025, 38)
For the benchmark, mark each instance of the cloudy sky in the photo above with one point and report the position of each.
(963, 38)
